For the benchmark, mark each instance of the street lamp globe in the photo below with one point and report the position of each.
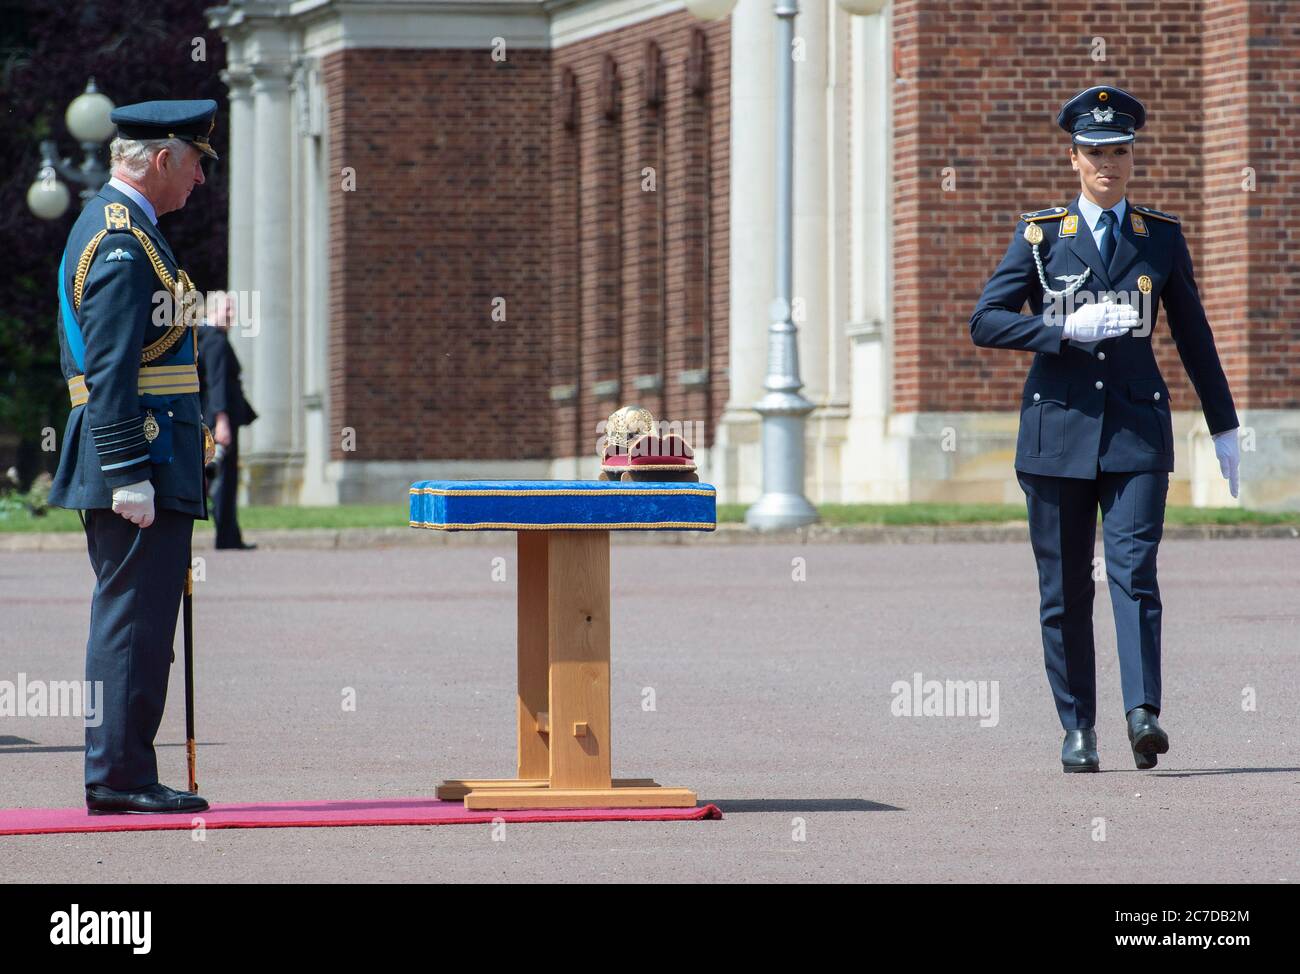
(89, 117)
(47, 197)
(710, 9)
(863, 8)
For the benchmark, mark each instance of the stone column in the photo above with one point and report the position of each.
(870, 470)
(312, 302)
(735, 460)
(812, 256)
(272, 461)
(240, 164)
(821, 267)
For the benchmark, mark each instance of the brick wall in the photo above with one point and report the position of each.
(978, 87)
(524, 180)
(452, 210)
(1221, 239)
(1252, 57)
(649, 295)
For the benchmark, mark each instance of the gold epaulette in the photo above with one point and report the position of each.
(117, 216)
(1051, 213)
(1156, 214)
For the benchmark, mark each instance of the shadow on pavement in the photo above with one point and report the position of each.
(1195, 772)
(729, 805)
(8, 745)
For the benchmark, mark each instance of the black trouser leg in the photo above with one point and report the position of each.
(140, 576)
(1133, 521)
(1063, 530)
(225, 488)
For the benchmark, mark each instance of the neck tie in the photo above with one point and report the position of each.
(1107, 237)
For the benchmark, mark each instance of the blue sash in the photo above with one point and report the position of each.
(72, 330)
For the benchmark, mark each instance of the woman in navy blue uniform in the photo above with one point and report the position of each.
(1080, 287)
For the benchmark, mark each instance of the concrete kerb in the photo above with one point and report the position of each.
(354, 538)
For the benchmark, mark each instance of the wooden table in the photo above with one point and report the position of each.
(562, 722)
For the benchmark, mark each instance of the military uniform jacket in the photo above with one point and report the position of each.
(133, 426)
(1105, 406)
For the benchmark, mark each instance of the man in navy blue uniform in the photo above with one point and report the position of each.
(134, 447)
(1095, 420)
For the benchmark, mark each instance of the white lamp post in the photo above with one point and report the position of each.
(47, 197)
(783, 408)
(89, 120)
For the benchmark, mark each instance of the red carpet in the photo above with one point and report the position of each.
(280, 815)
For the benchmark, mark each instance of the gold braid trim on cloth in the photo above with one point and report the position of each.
(181, 290)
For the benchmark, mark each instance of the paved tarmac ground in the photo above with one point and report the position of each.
(772, 698)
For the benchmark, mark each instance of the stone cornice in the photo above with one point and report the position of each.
(331, 25)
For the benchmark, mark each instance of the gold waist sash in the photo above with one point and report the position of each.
(157, 380)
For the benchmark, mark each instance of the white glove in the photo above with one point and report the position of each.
(135, 503)
(1094, 322)
(1228, 450)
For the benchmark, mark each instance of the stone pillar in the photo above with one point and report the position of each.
(811, 139)
(272, 462)
(312, 301)
(240, 164)
(871, 472)
(821, 267)
(735, 461)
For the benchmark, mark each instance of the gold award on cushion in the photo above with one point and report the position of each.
(633, 451)
(625, 424)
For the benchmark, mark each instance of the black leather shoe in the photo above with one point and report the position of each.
(1079, 751)
(1146, 736)
(152, 799)
(242, 546)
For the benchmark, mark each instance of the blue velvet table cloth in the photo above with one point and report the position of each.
(562, 505)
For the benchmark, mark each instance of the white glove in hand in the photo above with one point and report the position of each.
(1228, 450)
(135, 503)
(1094, 322)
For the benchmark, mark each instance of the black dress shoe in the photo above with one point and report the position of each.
(242, 546)
(1146, 736)
(152, 799)
(1079, 751)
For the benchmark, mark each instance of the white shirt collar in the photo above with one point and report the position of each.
(126, 189)
(1091, 212)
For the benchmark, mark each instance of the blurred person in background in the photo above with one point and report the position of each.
(224, 410)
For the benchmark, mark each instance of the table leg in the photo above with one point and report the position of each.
(578, 620)
(531, 619)
(563, 718)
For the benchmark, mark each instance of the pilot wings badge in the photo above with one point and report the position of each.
(1072, 281)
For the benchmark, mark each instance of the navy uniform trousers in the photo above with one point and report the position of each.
(1096, 432)
(224, 491)
(1063, 530)
(140, 577)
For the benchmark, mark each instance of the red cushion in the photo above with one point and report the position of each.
(623, 460)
